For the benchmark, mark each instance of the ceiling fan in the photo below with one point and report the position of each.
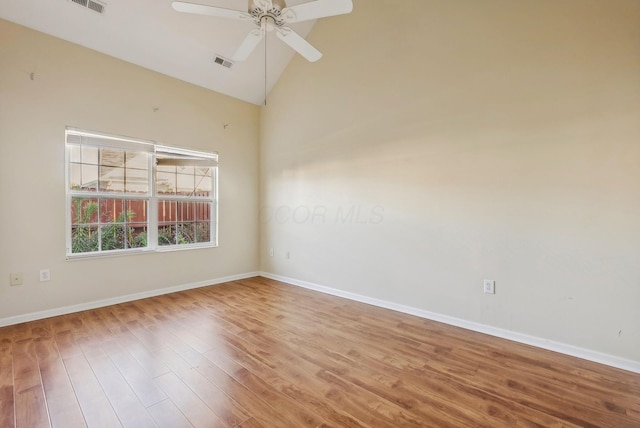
(270, 15)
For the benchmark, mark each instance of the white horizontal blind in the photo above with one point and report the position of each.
(182, 157)
(77, 137)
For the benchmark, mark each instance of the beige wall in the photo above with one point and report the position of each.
(74, 86)
(436, 144)
(439, 143)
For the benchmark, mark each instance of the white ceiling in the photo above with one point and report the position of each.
(151, 34)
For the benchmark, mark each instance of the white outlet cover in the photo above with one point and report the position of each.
(16, 279)
(489, 286)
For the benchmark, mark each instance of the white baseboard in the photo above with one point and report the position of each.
(563, 348)
(120, 299)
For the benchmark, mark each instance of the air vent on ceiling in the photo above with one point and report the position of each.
(91, 4)
(223, 61)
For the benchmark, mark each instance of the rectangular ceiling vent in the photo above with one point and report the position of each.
(94, 5)
(223, 61)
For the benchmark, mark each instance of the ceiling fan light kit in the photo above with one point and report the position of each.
(270, 15)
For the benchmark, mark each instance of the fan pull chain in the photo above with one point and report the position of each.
(266, 34)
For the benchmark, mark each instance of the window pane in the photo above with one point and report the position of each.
(75, 176)
(203, 186)
(188, 170)
(84, 211)
(186, 233)
(137, 172)
(185, 185)
(166, 183)
(137, 235)
(84, 239)
(75, 154)
(202, 232)
(167, 235)
(166, 212)
(137, 211)
(137, 181)
(112, 211)
(137, 160)
(203, 170)
(89, 177)
(89, 155)
(203, 211)
(112, 237)
(186, 212)
(110, 157)
(111, 179)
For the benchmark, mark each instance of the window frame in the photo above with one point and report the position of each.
(75, 137)
(193, 157)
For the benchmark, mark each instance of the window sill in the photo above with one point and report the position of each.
(119, 253)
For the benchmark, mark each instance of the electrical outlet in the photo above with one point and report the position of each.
(489, 286)
(45, 275)
(15, 278)
(287, 255)
(271, 252)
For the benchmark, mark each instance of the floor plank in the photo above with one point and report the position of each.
(91, 397)
(195, 410)
(63, 407)
(259, 353)
(30, 405)
(167, 415)
(134, 373)
(129, 409)
(7, 415)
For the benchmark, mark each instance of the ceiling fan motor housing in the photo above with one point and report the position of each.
(269, 10)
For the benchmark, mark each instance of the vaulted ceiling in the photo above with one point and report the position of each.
(151, 34)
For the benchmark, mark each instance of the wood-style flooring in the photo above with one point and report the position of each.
(260, 353)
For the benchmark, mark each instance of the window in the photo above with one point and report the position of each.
(184, 197)
(127, 195)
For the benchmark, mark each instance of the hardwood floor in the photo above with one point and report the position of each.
(259, 353)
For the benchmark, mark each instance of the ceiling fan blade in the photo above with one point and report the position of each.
(316, 9)
(201, 9)
(263, 4)
(249, 44)
(298, 44)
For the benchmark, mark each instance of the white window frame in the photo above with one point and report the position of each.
(75, 136)
(191, 157)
